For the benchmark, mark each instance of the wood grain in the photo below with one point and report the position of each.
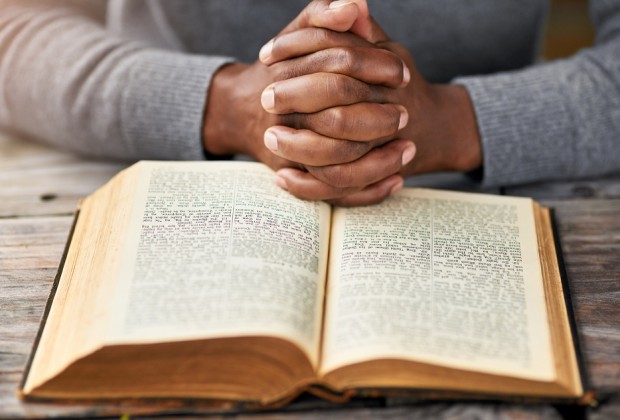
(590, 235)
(37, 180)
(30, 249)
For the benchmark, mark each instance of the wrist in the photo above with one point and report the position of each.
(460, 121)
(446, 134)
(220, 117)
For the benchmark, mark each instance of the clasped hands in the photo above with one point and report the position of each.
(340, 110)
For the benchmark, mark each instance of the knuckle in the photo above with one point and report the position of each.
(322, 36)
(338, 176)
(347, 89)
(337, 84)
(347, 151)
(358, 91)
(337, 122)
(345, 61)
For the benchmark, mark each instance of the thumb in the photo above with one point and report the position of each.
(340, 16)
(364, 25)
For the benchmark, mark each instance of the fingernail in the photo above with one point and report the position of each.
(265, 52)
(404, 118)
(268, 99)
(397, 187)
(406, 74)
(339, 3)
(408, 154)
(271, 140)
(280, 182)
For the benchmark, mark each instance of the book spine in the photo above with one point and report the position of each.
(48, 305)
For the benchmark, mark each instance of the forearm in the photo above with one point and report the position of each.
(233, 113)
(559, 120)
(66, 81)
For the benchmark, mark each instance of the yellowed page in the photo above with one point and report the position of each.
(217, 249)
(76, 322)
(439, 277)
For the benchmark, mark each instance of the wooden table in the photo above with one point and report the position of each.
(39, 189)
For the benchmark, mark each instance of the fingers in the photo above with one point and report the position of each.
(374, 166)
(303, 185)
(306, 41)
(372, 194)
(336, 182)
(338, 16)
(341, 16)
(372, 65)
(364, 25)
(318, 91)
(309, 148)
(357, 122)
(315, 92)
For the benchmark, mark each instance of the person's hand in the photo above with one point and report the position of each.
(442, 120)
(235, 121)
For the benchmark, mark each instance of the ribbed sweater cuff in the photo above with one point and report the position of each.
(163, 104)
(524, 124)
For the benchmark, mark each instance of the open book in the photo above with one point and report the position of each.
(205, 280)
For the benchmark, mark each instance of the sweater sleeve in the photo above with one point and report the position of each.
(557, 120)
(66, 81)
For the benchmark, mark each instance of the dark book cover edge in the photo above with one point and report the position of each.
(589, 395)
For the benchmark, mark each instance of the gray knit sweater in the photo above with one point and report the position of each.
(129, 78)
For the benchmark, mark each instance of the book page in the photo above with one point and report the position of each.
(439, 277)
(217, 249)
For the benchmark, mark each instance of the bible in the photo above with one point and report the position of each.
(204, 280)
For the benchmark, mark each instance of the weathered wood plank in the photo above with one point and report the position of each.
(23, 303)
(32, 242)
(426, 411)
(590, 236)
(37, 180)
(51, 190)
(606, 411)
(30, 250)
